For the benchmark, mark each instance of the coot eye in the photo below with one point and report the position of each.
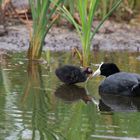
(90, 71)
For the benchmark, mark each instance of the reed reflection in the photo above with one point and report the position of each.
(38, 99)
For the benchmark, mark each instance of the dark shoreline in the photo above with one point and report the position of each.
(112, 37)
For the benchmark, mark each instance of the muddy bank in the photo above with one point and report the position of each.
(112, 36)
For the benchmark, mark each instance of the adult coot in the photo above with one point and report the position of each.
(71, 74)
(116, 82)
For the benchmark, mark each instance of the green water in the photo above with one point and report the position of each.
(34, 105)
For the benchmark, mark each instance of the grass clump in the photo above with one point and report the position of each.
(42, 13)
(87, 10)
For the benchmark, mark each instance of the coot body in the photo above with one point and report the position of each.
(69, 74)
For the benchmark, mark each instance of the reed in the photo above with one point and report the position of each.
(42, 13)
(0, 9)
(87, 10)
(104, 7)
(70, 4)
(125, 10)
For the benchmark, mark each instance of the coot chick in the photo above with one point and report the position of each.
(69, 74)
(117, 82)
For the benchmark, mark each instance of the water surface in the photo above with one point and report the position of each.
(35, 105)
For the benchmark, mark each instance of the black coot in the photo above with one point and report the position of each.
(116, 82)
(69, 74)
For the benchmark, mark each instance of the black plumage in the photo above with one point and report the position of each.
(69, 74)
(117, 82)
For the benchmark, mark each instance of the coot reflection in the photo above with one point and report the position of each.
(115, 103)
(71, 93)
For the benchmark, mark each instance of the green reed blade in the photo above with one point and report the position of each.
(42, 12)
(86, 10)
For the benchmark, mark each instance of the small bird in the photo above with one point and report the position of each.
(117, 82)
(69, 74)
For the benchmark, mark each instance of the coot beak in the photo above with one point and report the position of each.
(98, 71)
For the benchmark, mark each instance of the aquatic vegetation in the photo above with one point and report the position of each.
(87, 10)
(125, 10)
(2, 6)
(70, 4)
(42, 12)
(47, 56)
(35, 90)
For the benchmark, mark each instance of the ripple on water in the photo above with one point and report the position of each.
(47, 116)
(13, 123)
(104, 137)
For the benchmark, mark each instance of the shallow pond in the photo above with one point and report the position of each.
(35, 105)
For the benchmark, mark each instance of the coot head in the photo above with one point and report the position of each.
(88, 70)
(106, 69)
